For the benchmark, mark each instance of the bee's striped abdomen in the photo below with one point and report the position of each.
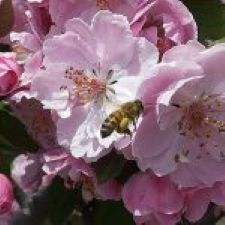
(111, 123)
(120, 120)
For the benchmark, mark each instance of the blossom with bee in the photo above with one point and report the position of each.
(182, 133)
(87, 74)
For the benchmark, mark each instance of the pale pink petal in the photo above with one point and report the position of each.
(141, 201)
(189, 51)
(197, 205)
(218, 193)
(149, 140)
(75, 52)
(212, 60)
(65, 131)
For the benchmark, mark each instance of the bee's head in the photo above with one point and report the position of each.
(139, 105)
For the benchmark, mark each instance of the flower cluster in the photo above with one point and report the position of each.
(92, 78)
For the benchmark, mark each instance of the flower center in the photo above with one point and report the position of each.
(102, 4)
(200, 119)
(88, 86)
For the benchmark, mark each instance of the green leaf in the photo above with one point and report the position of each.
(111, 212)
(61, 202)
(210, 18)
(6, 17)
(13, 134)
(109, 167)
(129, 169)
(5, 164)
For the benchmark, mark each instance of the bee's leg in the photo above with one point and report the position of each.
(128, 132)
(134, 124)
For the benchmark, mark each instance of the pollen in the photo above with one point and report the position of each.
(200, 120)
(86, 86)
(201, 115)
(102, 4)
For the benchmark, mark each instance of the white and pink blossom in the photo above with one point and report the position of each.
(91, 77)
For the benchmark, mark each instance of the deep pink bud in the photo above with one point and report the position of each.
(9, 73)
(6, 194)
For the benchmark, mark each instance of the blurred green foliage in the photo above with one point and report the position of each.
(210, 18)
(109, 167)
(62, 202)
(14, 138)
(111, 212)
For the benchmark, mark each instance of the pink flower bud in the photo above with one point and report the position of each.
(9, 73)
(6, 194)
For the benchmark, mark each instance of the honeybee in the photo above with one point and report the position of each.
(120, 119)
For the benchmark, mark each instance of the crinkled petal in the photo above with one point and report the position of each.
(66, 128)
(52, 96)
(74, 51)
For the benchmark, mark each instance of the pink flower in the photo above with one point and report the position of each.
(93, 75)
(197, 200)
(31, 16)
(6, 194)
(10, 73)
(183, 134)
(164, 23)
(150, 198)
(162, 202)
(36, 25)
